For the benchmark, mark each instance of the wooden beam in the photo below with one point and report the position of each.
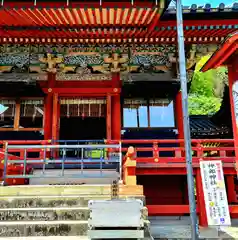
(17, 116)
(55, 117)
(67, 91)
(20, 129)
(109, 117)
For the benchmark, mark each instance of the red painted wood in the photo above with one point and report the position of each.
(220, 56)
(179, 209)
(167, 209)
(179, 115)
(48, 107)
(116, 117)
(55, 117)
(109, 117)
(200, 200)
(89, 91)
(230, 188)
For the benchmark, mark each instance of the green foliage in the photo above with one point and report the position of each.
(202, 83)
(203, 105)
(207, 89)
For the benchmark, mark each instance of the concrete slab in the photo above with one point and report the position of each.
(43, 228)
(179, 228)
(72, 176)
(48, 238)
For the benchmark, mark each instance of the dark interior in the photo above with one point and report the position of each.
(78, 128)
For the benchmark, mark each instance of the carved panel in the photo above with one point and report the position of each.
(91, 62)
(85, 59)
(83, 77)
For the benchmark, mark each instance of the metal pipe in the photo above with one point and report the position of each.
(100, 146)
(187, 137)
(24, 164)
(120, 162)
(5, 164)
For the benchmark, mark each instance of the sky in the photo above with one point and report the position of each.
(214, 3)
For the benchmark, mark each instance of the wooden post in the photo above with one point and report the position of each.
(48, 116)
(230, 186)
(55, 117)
(17, 115)
(201, 200)
(109, 117)
(129, 168)
(48, 107)
(179, 122)
(179, 115)
(116, 117)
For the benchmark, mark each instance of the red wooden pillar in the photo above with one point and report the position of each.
(55, 116)
(109, 117)
(116, 108)
(48, 108)
(116, 117)
(179, 115)
(230, 188)
(48, 116)
(201, 200)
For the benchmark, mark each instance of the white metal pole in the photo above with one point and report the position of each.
(186, 125)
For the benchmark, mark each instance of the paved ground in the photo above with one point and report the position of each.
(47, 238)
(167, 228)
(179, 228)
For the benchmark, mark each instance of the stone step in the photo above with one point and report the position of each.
(53, 201)
(69, 190)
(74, 176)
(43, 228)
(44, 214)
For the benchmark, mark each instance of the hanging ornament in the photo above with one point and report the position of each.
(83, 114)
(100, 110)
(24, 109)
(68, 115)
(89, 109)
(34, 114)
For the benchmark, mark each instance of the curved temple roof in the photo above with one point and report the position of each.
(72, 21)
(220, 57)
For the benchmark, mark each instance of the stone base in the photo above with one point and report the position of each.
(40, 228)
(44, 214)
(54, 201)
(62, 210)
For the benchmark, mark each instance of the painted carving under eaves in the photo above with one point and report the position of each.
(88, 59)
(81, 59)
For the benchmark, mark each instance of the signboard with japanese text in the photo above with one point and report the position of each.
(215, 193)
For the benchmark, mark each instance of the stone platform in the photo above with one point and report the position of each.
(34, 211)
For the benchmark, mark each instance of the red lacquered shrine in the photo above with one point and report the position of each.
(106, 72)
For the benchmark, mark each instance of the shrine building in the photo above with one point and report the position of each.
(107, 73)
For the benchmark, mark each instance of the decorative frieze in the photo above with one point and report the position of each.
(83, 77)
(75, 62)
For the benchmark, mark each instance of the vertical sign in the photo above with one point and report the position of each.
(215, 193)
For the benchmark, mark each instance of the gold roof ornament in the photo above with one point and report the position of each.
(51, 62)
(116, 62)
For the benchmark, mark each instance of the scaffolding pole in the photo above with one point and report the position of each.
(187, 136)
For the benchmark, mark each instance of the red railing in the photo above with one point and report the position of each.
(154, 149)
(225, 151)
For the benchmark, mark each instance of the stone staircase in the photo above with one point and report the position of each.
(59, 210)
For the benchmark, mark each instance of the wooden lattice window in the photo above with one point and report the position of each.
(90, 107)
(31, 113)
(7, 113)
